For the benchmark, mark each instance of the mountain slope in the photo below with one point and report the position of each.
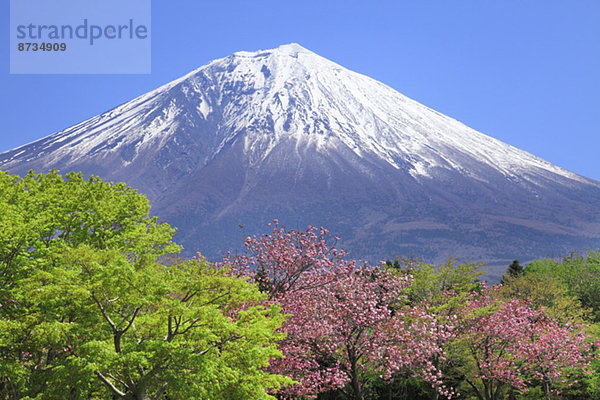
(286, 133)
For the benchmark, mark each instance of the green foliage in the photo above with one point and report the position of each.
(548, 293)
(579, 300)
(431, 283)
(580, 274)
(86, 312)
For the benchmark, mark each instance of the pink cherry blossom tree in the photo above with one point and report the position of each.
(556, 353)
(346, 324)
(510, 344)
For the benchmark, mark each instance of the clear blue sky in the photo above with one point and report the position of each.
(524, 72)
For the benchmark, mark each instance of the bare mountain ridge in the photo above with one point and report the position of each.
(286, 133)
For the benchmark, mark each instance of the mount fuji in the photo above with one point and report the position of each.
(284, 133)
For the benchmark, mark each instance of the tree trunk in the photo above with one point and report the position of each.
(546, 388)
(358, 394)
(356, 386)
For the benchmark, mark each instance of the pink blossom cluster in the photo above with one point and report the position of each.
(513, 344)
(287, 261)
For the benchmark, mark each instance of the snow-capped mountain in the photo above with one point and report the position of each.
(285, 133)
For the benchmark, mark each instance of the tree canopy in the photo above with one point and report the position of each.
(88, 312)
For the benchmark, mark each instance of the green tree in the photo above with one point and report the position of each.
(549, 294)
(514, 270)
(87, 312)
(580, 274)
(431, 283)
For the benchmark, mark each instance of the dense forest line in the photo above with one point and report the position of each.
(96, 304)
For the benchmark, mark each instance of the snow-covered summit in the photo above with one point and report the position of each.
(322, 104)
(291, 93)
(291, 49)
